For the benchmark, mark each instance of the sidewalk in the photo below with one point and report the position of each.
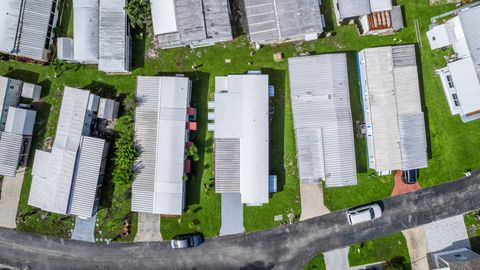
(11, 189)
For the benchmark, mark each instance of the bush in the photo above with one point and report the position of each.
(125, 152)
(138, 12)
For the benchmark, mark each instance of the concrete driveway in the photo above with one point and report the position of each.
(232, 214)
(148, 228)
(84, 229)
(337, 259)
(417, 247)
(447, 234)
(11, 189)
(311, 196)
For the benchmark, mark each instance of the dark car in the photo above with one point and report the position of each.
(410, 176)
(187, 241)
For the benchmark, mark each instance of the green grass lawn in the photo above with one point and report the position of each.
(378, 250)
(453, 144)
(473, 229)
(316, 263)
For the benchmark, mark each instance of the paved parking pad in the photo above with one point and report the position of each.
(232, 214)
(445, 234)
(84, 229)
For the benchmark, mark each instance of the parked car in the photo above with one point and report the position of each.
(364, 213)
(410, 176)
(187, 241)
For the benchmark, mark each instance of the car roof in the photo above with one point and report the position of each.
(360, 217)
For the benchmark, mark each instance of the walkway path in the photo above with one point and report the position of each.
(148, 228)
(84, 229)
(11, 189)
(337, 259)
(232, 214)
(402, 188)
(417, 247)
(311, 196)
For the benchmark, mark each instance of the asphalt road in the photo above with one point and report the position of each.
(286, 247)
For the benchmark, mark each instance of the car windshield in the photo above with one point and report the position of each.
(372, 213)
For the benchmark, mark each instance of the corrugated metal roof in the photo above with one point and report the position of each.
(273, 20)
(160, 135)
(53, 173)
(241, 114)
(25, 25)
(322, 119)
(413, 141)
(470, 19)
(85, 34)
(227, 165)
(10, 147)
(20, 121)
(353, 8)
(108, 109)
(191, 22)
(114, 52)
(84, 191)
(391, 91)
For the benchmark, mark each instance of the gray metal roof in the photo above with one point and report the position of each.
(353, 8)
(10, 92)
(470, 19)
(25, 26)
(276, 20)
(160, 124)
(108, 109)
(54, 172)
(227, 165)
(322, 119)
(413, 140)
(390, 86)
(10, 147)
(198, 22)
(84, 191)
(114, 52)
(20, 121)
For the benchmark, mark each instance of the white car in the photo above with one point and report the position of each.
(364, 213)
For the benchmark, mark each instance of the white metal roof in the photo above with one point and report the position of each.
(322, 119)
(113, 37)
(85, 34)
(32, 91)
(242, 129)
(380, 5)
(53, 173)
(163, 16)
(160, 134)
(466, 84)
(353, 8)
(25, 26)
(65, 49)
(84, 191)
(20, 121)
(390, 89)
(10, 147)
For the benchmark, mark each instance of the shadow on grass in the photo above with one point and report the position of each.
(138, 48)
(103, 90)
(24, 75)
(357, 112)
(277, 126)
(423, 101)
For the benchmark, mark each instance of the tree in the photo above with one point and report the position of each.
(192, 152)
(138, 12)
(396, 263)
(125, 152)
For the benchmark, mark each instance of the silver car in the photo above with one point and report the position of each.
(364, 213)
(186, 241)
